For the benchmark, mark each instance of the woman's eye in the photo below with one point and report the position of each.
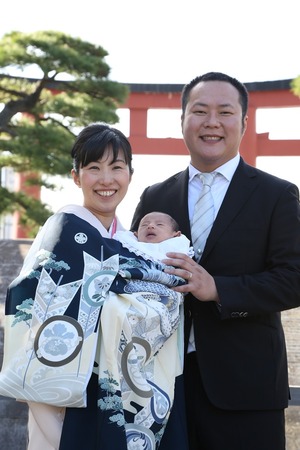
(119, 167)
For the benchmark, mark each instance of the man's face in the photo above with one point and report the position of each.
(212, 124)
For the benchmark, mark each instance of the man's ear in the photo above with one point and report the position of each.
(245, 122)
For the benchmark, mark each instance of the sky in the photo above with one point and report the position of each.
(168, 41)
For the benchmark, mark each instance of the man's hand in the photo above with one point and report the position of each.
(199, 282)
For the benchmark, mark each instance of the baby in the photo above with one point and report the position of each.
(158, 233)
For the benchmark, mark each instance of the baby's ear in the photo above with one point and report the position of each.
(178, 233)
(135, 233)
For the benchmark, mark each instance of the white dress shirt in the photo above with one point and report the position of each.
(218, 190)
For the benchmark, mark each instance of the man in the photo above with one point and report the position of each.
(248, 270)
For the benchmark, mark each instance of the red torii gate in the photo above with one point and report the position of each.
(266, 94)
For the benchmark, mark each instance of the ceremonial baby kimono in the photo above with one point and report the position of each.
(93, 339)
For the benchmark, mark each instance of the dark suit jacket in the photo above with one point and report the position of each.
(253, 252)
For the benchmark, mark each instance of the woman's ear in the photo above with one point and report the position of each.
(75, 177)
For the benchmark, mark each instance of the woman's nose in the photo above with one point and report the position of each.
(105, 177)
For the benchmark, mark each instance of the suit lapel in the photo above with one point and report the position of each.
(242, 185)
(178, 201)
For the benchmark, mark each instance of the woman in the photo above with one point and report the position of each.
(92, 330)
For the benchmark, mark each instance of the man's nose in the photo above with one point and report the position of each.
(212, 120)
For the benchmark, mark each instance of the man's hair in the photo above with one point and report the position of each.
(216, 76)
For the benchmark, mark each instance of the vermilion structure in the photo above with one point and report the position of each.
(142, 97)
(266, 94)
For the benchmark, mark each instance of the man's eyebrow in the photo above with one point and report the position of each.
(222, 105)
(226, 105)
(200, 104)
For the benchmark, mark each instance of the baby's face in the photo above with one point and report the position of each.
(155, 227)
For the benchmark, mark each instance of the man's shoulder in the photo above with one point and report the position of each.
(264, 176)
(173, 179)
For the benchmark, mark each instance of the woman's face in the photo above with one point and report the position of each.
(104, 184)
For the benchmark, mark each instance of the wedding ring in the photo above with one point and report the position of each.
(190, 276)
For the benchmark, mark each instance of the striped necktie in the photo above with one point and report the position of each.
(204, 214)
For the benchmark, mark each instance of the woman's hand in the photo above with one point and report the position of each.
(199, 282)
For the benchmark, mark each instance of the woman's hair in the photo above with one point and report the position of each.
(92, 142)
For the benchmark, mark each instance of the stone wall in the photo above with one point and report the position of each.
(13, 415)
